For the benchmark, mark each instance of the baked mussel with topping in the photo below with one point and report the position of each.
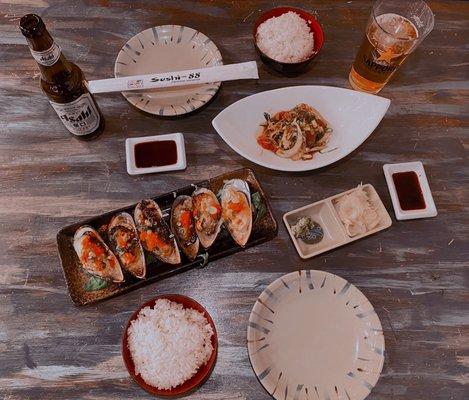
(207, 216)
(95, 256)
(154, 233)
(183, 226)
(124, 242)
(237, 210)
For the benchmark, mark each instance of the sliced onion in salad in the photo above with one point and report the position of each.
(289, 153)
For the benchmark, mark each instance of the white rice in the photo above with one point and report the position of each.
(286, 38)
(168, 343)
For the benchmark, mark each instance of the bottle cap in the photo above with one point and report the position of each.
(31, 25)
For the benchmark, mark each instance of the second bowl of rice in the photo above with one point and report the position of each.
(170, 345)
(287, 39)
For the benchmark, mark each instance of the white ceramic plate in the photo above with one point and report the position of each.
(352, 115)
(313, 335)
(168, 48)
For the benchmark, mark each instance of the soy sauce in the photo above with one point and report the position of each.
(408, 190)
(155, 154)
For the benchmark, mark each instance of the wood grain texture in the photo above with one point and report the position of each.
(415, 274)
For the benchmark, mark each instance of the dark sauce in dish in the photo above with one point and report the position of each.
(155, 154)
(409, 191)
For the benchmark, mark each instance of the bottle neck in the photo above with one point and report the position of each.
(53, 65)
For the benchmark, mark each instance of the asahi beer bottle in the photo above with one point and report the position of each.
(62, 81)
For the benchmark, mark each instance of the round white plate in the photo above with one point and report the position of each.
(168, 48)
(313, 335)
(352, 115)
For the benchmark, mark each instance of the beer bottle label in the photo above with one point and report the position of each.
(47, 57)
(80, 117)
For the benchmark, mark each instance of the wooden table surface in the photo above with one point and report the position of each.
(415, 273)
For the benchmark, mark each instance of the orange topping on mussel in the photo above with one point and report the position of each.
(121, 239)
(128, 257)
(236, 207)
(151, 240)
(186, 219)
(90, 245)
(215, 209)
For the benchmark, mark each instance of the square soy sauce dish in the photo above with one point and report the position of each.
(159, 153)
(409, 189)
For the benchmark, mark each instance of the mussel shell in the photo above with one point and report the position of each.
(206, 238)
(112, 270)
(148, 217)
(123, 221)
(190, 244)
(238, 185)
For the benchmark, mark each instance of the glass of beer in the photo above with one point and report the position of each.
(393, 31)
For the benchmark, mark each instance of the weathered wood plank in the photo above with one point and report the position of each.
(415, 273)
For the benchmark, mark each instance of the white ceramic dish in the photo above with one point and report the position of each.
(313, 335)
(417, 167)
(130, 154)
(168, 48)
(335, 235)
(352, 115)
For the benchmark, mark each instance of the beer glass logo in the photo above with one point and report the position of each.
(380, 61)
(383, 58)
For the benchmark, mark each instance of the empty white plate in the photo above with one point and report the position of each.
(352, 115)
(313, 335)
(168, 48)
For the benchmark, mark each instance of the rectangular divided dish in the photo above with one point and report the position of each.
(264, 228)
(335, 235)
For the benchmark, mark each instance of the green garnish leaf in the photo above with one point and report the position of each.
(259, 206)
(150, 258)
(267, 116)
(95, 283)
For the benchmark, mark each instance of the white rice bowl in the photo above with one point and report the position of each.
(168, 343)
(286, 38)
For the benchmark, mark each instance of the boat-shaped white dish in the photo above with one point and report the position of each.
(352, 115)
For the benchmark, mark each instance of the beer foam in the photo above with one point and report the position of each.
(398, 26)
(392, 32)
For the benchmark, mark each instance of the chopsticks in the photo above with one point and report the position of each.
(245, 70)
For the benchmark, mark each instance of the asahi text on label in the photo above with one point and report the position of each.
(47, 57)
(80, 117)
